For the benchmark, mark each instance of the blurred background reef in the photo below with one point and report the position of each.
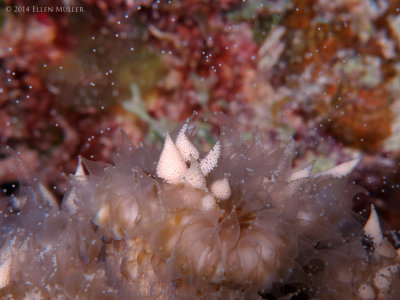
(326, 73)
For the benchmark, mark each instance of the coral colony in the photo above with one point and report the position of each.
(234, 223)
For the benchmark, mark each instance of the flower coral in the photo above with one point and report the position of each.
(221, 245)
(172, 167)
(236, 222)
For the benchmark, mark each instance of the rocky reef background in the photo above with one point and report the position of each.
(323, 72)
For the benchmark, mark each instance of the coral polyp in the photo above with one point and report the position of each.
(236, 222)
(221, 237)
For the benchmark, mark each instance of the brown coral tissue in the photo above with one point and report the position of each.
(236, 222)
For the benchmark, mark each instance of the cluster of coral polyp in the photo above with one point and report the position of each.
(234, 223)
(209, 219)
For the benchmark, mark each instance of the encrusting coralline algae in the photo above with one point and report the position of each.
(236, 222)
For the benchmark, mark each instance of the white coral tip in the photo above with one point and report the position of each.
(79, 169)
(48, 197)
(5, 266)
(341, 170)
(185, 147)
(208, 202)
(68, 202)
(211, 160)
(302, 173)
(171, 164)
(221, 189)
(193, 176)
(373, 229)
